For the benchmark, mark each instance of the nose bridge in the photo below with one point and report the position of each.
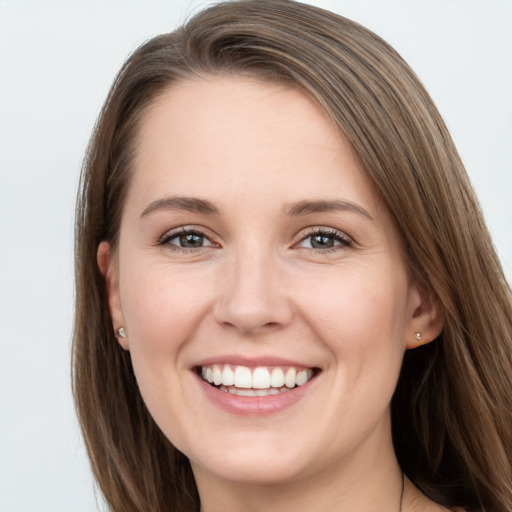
(252, 296)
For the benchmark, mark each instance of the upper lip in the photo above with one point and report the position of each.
(251, 362)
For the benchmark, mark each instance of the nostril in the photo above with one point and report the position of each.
(253, 305)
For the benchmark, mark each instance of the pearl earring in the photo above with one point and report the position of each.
(417, 335)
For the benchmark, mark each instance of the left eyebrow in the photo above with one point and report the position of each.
(320, 206)
(189, 204)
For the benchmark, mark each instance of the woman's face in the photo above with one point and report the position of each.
(254, 252)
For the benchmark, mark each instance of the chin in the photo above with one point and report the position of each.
(256, 463)
(254, 472)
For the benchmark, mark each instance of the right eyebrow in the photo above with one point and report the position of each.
(308, 207)
(189, 204)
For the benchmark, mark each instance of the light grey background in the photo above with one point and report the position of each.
(57, 60)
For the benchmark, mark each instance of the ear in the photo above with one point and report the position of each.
(426, 319)
(107, 263)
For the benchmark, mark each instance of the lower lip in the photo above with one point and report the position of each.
(254, 405)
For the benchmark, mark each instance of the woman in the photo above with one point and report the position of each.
(287, 298)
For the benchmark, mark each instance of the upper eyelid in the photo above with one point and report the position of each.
(171, 233)
(323, 230)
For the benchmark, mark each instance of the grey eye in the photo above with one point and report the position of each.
(185, 239)
(322, 241)
(189, 240)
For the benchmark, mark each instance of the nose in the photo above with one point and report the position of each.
(253, 298)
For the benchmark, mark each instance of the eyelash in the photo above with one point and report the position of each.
(337, 236)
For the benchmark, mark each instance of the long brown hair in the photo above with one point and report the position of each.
(452, 410)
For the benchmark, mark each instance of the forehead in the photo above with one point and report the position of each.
(238, 136)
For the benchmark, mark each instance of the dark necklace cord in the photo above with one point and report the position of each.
(402, 493)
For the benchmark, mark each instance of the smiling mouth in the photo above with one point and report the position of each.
(259, 381)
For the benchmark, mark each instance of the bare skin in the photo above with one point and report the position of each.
(415, 501)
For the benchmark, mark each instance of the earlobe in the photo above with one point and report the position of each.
(108, 267)
(426, 318)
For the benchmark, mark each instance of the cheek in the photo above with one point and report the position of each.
(359, 308)
(363, 326)
(361, 318)
(160, 305)
(162, 310)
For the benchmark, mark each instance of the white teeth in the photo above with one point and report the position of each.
(261, 378)
(233, 390)
(245, 392)
(261, 392)
(269, 380)
(217, 375)
(301, 377)
(243, 377)
(228, 376)
(289, 378)
(277, 378)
